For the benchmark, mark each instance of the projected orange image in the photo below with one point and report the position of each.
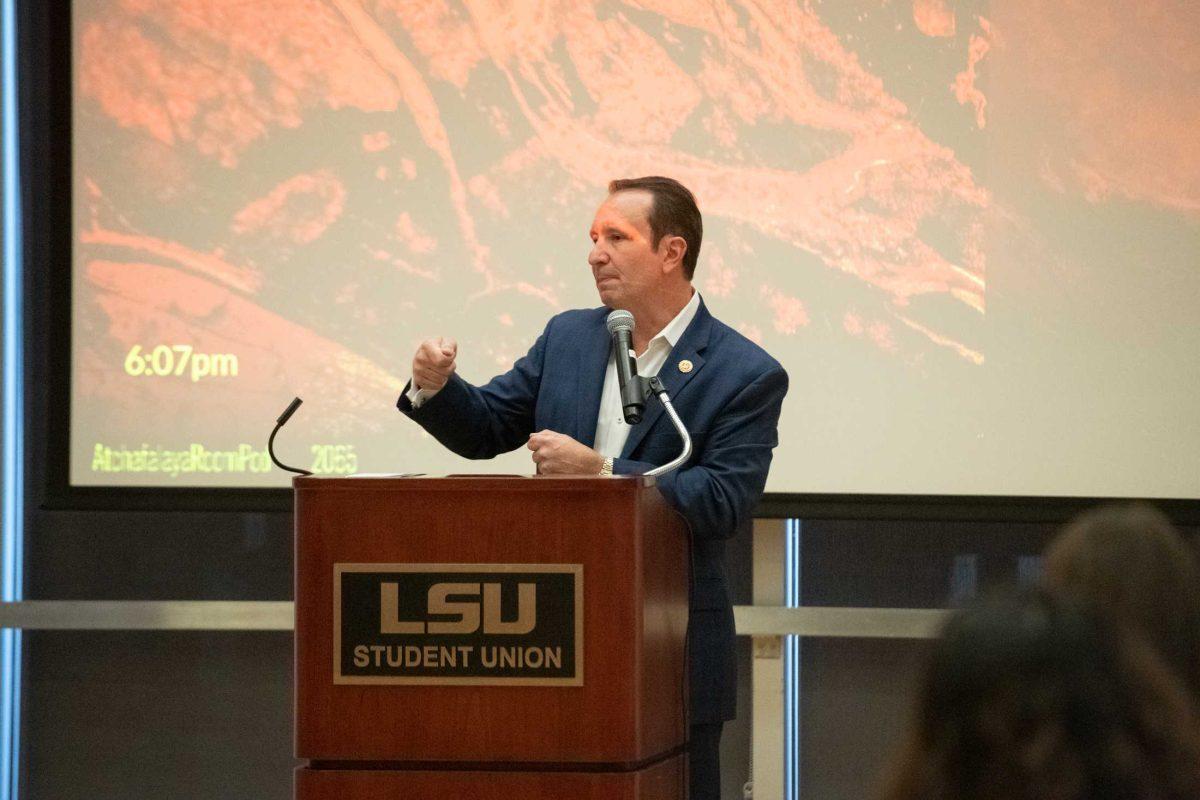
(284, 196)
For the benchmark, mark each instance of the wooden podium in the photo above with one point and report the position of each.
(489, 637)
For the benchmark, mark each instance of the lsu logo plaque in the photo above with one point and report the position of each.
(472, 624)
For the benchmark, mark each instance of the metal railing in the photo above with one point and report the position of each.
(866, 623)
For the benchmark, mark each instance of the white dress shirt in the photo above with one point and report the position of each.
(611, 429)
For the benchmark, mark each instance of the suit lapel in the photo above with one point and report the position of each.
(592, 365)
(689, 348)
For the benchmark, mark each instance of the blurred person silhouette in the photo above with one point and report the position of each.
(1030, 697)
(1130, 563)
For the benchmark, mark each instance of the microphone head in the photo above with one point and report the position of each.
(620, 320)
(287, 412)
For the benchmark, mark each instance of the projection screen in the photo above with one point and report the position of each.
(969, 230)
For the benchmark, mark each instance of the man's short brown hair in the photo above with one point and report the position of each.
(673, 211)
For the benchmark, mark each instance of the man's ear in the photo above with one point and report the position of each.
(675, 248)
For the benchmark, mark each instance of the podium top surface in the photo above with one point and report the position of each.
(456, 483)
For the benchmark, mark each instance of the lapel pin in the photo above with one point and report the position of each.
(685, 366)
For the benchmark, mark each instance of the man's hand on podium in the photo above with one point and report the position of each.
(433, 364)
(559, 454)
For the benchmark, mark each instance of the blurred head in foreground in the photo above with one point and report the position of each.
(1028, 697)
(1130, 564)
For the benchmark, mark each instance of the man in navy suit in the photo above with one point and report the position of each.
(562, 401)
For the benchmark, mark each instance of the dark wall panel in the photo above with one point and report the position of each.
(154, 715)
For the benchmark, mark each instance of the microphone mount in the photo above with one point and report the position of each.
(655, 386)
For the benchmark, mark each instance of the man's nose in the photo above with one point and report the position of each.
(597, 257)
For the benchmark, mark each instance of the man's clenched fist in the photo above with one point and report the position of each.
(434, 363)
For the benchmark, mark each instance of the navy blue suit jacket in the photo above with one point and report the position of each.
(730, 402)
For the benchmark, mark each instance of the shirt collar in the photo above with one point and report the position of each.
(675, 328)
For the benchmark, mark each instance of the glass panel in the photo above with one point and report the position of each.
(911, 564)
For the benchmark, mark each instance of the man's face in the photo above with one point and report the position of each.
(627, 268)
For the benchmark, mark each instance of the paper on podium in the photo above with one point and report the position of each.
(384, 475)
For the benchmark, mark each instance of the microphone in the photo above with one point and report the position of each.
(633, 393)
(287, 412)
(279, 423)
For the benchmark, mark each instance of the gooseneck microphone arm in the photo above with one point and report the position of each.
(279, 423)
(655, 385)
